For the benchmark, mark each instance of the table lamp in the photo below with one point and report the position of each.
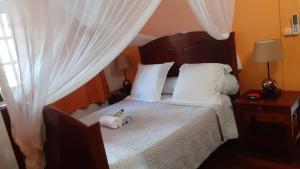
(123, 64)
(268, 51)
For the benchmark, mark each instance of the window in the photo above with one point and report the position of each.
(8, 53)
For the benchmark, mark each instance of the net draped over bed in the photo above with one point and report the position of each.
(58, 46)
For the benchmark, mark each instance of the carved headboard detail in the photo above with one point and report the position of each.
(192, 47)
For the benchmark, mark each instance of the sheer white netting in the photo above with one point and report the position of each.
(215, 16)
(57, 46)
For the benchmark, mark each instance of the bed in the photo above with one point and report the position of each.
(160, 135)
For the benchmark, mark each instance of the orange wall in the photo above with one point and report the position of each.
(291, 46)
(171, 17)
(254, 20)
(268, 21)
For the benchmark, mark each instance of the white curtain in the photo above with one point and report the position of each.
(215, 16)
(52, 47)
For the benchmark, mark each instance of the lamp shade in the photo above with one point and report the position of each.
(267, 50)
(122, 62)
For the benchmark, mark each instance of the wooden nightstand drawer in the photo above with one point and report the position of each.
(272, 118)
(262, 108)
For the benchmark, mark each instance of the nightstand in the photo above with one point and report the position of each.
(269, 124)
(117, 95)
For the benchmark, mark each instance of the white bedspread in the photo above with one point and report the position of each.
(165, 136)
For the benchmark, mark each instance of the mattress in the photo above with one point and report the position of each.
(162, 135)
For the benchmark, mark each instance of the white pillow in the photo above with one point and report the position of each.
(200, 84)
(169, 85)
(231, 85)
(149, 81)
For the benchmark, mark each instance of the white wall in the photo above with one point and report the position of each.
(7, 156)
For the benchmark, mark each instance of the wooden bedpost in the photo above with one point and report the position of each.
(71, 144)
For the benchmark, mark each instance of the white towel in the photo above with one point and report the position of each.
(110, 122)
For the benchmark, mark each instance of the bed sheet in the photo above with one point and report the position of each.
(163, 135)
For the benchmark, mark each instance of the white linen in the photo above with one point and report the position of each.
(169, 85)
(149, 81)
(214, 16)
(55, 47)
(230, 85)
(110, 122)
(200, 84)
(156, 128)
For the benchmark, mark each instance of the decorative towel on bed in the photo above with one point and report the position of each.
(110, 122)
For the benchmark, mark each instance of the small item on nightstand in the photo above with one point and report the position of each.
(253, 95)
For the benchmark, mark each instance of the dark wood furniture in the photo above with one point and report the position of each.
(71, 144)
(230, 156)
(269, 124)
(192, 47)
(116, 96)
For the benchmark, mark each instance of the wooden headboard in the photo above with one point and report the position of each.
(192, 47)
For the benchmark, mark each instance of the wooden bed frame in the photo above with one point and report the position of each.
(73, 145)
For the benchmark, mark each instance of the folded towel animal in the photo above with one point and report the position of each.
(126, 119)
(110, 122)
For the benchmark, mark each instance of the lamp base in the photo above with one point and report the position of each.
(126, 86)
(271, 95)
(269, 88)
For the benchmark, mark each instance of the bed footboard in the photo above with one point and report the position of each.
(71, 144)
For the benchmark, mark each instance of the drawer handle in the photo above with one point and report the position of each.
(259, 108)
